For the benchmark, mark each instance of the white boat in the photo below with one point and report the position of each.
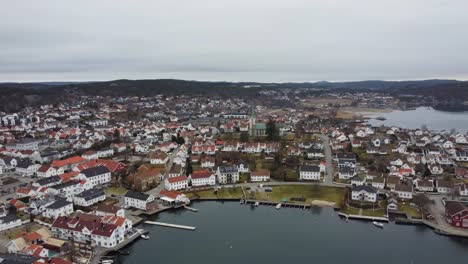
(107, 261)
(377, 224)
(278, 206)
(257, 203)
(241, 201)
(145, 236)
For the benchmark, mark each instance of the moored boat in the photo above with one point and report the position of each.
(377, 224)
(145, 236)
(278, 206)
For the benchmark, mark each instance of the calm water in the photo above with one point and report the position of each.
(233, 233)
(433, 119)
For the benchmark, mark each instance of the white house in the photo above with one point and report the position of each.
(260, 176)
(82, 230)
(46, 171)
(176, 183)
(404, 191)
(89, 197)
(424, 185)
(208, 162)
(227, 174)
(309, 172)
(105, 152)
(60, 207)
(463, 189)
(96, 175)
(443, 186)
(137, 200)
(9, 221)
(346, 172)
(158, 157)
(202, 178)
(378, 182)
(364, 193)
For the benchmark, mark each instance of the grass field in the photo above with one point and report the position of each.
(413, 212)
(376, 213)
(119, 191)
(309, 192)
(350, 211)
(225, 193)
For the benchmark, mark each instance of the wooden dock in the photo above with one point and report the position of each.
(191, 208)
(363, 217)
(283, 205)
(191, 228)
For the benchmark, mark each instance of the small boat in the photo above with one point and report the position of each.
(124, 252)
(278, 206)
(377, 224)
(257, 203)
(145, 236)
(107, 261)
(241, 201)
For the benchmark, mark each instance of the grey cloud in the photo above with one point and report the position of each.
(238, 40)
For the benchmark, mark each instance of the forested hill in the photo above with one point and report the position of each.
(15, 96)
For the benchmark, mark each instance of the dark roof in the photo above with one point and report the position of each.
(107, 208)
(367, 188)
(228, 169)
(346, 156)
(347, 170)
(59, 203)
(49, 180)
(91, 194)
(137, 195)
(9, 218)
(64, 185)
(95, 171)
(24, 163)
(403, 188)
(16, 259)
(312, 168)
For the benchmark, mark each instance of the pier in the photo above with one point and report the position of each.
(191, 228)
(286, 205)
(190, 208)
(363, 217)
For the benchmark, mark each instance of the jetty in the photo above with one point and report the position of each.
(283, 204)
(171, 225)
(190, 208)
(363, 217)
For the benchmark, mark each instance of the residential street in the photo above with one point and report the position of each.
(328, 179)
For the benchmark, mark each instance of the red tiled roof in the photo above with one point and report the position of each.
(177, 179)
(170, 194)
(112, 165)
(199, 174)
(78, 224)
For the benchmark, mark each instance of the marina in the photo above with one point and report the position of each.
(316, 229)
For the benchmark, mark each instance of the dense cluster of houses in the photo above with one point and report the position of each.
(72, 152)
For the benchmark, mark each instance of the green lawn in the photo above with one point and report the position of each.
(225, 193)
(376, 213)
(309, 192)
(350, 211)
(413, 212)
(292, 175)
(263, 164)
(119, 191)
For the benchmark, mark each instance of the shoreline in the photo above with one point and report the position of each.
(437, 229)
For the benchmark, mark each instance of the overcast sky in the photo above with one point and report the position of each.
(233, 40)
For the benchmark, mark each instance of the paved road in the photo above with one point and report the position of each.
(328, 179)
(169, 165)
